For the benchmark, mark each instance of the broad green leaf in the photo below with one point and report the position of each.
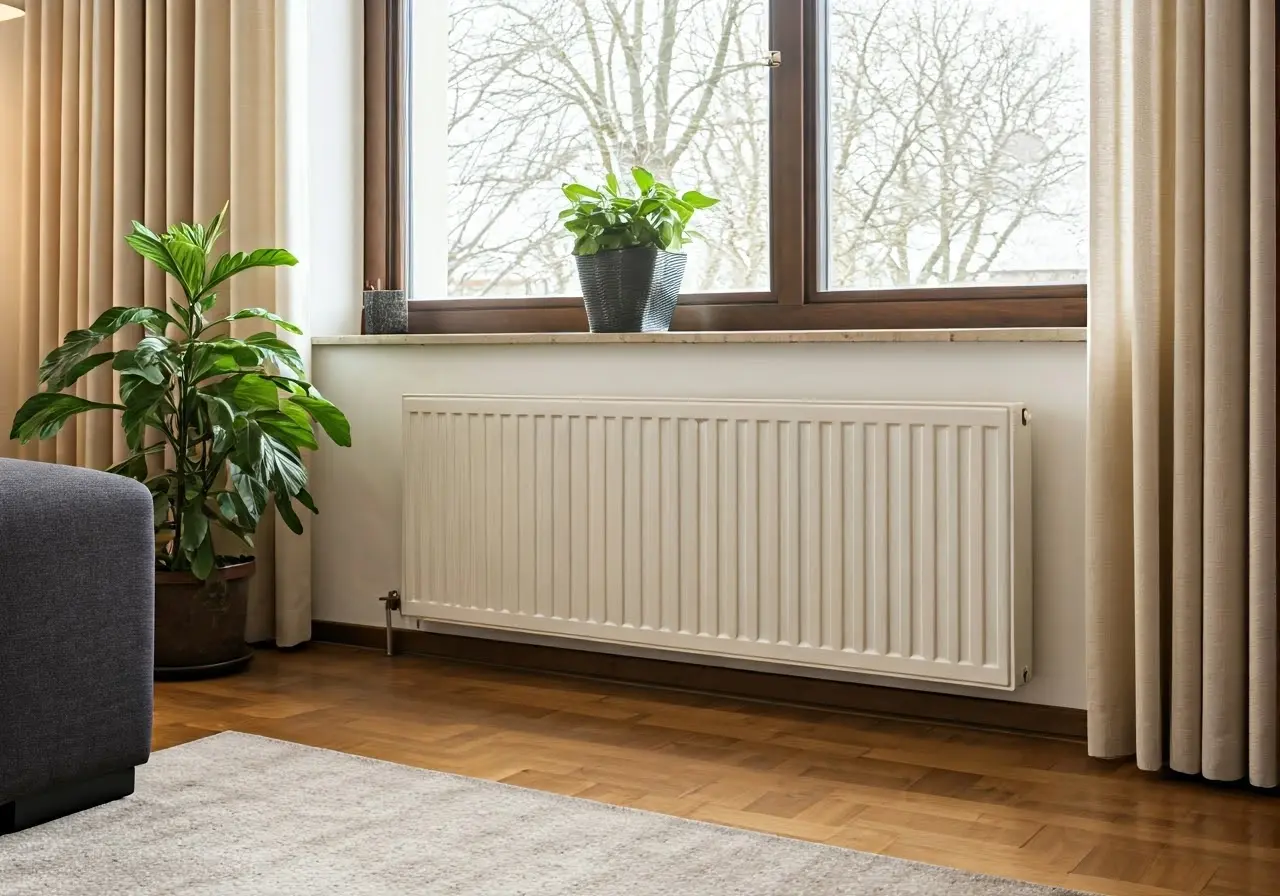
(576, 192)
(223, 420)
(611, 181)
(665, 235)
(128, 361)
(142, 399)
(587, 245)
(282, 466)
(203, 560)
(44, 414)
(233, 263)
(284, 355)
(135, 465)
(264, 314)
(57, 366)
(248, 451)
(195, 525)
(137, 390)
(152, 248)
(251, 392)
(287, 429)
(190, 260)
(644, 180)
(216, 359)
(568, 213)
(251, 489)
(305, 499)
(285, 508)
(81, 367)
(697, 200)
(295, 386)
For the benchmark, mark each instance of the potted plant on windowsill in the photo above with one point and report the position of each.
(628, 253)
(215, 427)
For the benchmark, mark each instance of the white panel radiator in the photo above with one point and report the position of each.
(881, 538)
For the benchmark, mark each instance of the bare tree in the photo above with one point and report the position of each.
(950, 131)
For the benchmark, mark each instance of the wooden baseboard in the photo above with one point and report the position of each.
(771, 687)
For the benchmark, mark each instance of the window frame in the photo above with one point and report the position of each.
(794, 300)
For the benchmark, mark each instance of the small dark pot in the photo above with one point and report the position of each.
(630, 290)
(200, 625)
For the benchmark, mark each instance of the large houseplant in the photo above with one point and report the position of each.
(627, 249)
(215, 427)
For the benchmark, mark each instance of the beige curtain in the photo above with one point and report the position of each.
(1181, 449)
(160, 111)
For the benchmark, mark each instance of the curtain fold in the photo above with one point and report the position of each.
(160, 111)
(1181, 463)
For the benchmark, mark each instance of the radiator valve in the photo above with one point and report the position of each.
(391, 601)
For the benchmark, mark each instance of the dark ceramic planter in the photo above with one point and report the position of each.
(200, 625)
(630, 290)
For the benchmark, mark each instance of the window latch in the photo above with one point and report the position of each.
(772, 59)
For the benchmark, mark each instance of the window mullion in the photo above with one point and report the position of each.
(788, 139)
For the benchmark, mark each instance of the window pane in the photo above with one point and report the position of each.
(530, 94)
(957, 142)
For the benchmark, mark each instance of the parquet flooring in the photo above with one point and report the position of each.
(1021, 807)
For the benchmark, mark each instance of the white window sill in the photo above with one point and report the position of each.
(1044, 334)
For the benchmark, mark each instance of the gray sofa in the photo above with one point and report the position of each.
(76, 631)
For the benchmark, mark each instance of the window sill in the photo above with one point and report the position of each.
(702, 337)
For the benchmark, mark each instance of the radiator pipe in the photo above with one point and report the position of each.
(391, 601)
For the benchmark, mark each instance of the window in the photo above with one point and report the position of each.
(881, 162)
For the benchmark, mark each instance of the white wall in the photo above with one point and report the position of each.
(10, 215)
(357, 552)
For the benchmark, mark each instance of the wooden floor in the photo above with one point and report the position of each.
(1014, 806)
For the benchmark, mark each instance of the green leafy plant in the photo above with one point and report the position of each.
(215, 425)
(607, 218)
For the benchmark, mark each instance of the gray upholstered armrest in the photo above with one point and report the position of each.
(77, 588)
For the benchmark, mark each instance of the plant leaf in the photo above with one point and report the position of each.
(697, 200)
(233, 263)
(251, 489)
(285, 508)
(287, 429)
(214, 232)
(644, 180)
(202, 561)
(190, 260)
(305, 499)
(331, 420)
(80, 368)
(195, 526)
(284, 355)
(264, 314)
(43, 414)
(282, 467)
(577, 192)
(251, 392)
(151, 247)
(611, 181)
(135, 465)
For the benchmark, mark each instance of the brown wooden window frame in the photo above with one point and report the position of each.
(794, 300)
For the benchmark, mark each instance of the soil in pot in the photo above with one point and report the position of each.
(631, 290)
(200, 625)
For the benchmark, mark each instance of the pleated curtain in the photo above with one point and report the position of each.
(160, 111)
(1181, 443)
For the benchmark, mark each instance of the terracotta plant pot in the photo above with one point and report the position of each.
(200, 625)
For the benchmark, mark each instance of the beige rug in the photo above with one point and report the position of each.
(241, 815)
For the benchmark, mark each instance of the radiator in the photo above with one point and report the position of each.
(891, 539)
